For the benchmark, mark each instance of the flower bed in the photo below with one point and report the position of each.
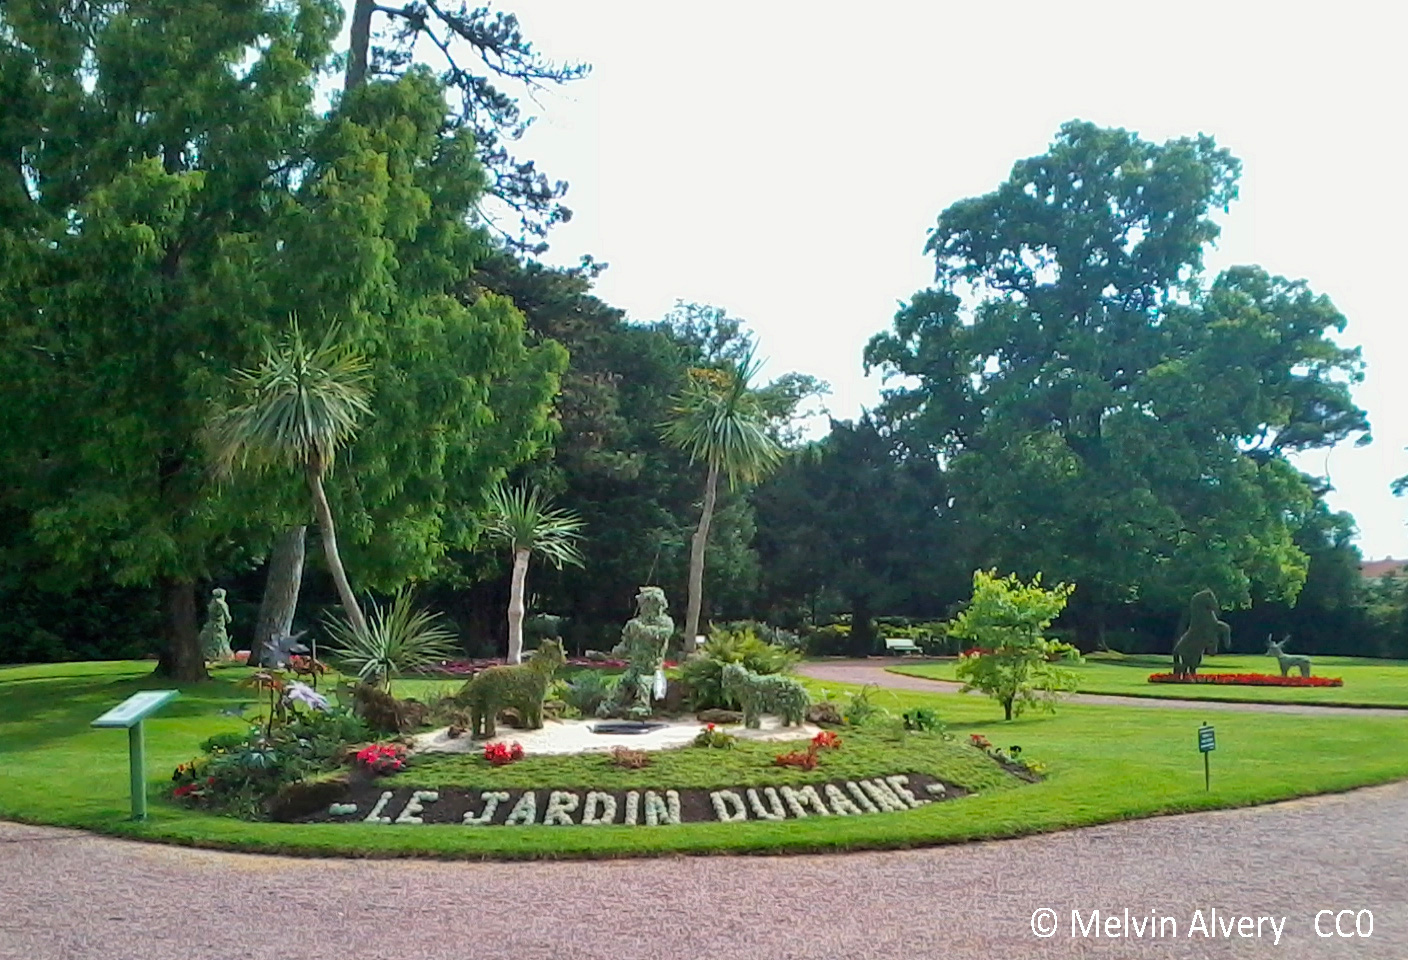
(1249, 680)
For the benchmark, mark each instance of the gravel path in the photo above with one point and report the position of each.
(874, 670)
(73, 896)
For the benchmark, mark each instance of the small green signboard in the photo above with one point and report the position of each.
(129, 714)
(1207, 743)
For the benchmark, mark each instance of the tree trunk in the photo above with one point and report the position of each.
(862, 627)
(516, 606)
(696, 560)
(181, 659)
(1007, 707)
(359, 44)
(281, 586)
(329, 537)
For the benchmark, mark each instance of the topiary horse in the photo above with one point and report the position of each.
(1204, 634)
(522, 686)
(760, 693)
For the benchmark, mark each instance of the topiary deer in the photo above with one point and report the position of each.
(522, 686)
(1286, 660)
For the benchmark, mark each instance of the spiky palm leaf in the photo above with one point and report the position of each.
(397, 640)
(303, 402)
(717, 420)
(523, 518)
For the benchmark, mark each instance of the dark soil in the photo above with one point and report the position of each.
(452, 804)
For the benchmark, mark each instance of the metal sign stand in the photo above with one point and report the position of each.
(130, 713)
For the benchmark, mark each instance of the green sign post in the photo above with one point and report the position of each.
(130, 713)
(1207, 743)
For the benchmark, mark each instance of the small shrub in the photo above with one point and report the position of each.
(924, 720)
(587, 690)
(826, 713)
(861, 710)
(502, 754)
(832, 640)
(714, 738)
(629, 759)
(398, 639)
(702, 673)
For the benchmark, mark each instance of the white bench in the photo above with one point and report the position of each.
(902, 644)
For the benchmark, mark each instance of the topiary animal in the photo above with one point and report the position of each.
(765, 693)
(1204, 634)
(521, 686)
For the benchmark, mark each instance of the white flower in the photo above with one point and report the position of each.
(297, 692)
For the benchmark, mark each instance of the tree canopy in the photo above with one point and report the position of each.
(1104, 414)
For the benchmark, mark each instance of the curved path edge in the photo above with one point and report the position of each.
(876, 670)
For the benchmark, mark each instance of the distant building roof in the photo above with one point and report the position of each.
(1373, 569)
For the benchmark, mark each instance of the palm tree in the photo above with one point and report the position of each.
(526, 521)
(717, 419)
(303, 402)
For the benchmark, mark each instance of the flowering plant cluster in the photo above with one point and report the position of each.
(382, 758)
(808, 759)
(502, 754)
(193, 781)
(1248, 680)
(711, 737)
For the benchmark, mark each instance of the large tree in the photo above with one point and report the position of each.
(1106, 416)
(482, 57)
(175, 197)
(146, 146)
(857, 520)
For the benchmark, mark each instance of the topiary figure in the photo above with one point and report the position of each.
(643, 642)
(765, 693)
(1204, 634)
(521, 686)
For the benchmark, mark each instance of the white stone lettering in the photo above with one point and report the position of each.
(840, 804)
(561, 804)
(797, 801)
(375, 816)
(600, 808)
(728, 806)
(492, 799)
(525, 811)
(775, 810)
(416, 805)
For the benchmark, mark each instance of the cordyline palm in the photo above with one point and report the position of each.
(303, 402)
(717, 420)
(525, 521)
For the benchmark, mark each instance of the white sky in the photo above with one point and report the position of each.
(785, 160)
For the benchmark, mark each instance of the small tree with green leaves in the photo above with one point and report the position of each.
(524, 520)
(1013, 663)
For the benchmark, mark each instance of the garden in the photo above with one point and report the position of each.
(736, 752)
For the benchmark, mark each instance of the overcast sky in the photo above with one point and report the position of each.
(785, 162)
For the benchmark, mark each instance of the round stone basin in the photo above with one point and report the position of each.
(627, 726)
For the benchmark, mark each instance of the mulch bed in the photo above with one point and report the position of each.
(452, 804)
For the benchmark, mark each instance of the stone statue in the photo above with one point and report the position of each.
(1287, 661)
(643, 643)
(522, 686)
(215, 635)
(1204, 634)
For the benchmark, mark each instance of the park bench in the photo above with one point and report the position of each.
(902, 644)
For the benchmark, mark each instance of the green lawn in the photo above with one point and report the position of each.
(1367, 683)
(1104, 763)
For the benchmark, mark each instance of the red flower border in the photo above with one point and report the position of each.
(1249, 680)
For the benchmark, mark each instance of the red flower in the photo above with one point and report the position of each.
(1248, 680)
(827, 739)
